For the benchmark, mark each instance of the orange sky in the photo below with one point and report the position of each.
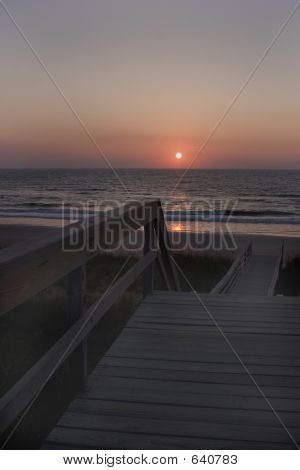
(149, 79)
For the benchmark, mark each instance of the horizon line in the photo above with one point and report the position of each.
(152, 168)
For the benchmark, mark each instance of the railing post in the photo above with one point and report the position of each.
(164, 246)
(76, 291)
(149, 271)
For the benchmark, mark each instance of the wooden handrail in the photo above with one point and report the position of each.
(277, 269)
(164, 243)
(43, 253)
(226, 282)
(29, 267)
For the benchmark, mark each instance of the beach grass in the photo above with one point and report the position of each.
(289, 279)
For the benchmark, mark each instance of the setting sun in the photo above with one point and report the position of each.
(178, 155)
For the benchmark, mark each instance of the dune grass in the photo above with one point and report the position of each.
(289, 279)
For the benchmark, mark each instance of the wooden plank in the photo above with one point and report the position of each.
(213, 341)
(66, 438)
(227, 315)
(130, 370)
(193, 353)
(186, 298)
(255, 309)
(227, 307)
(214, 351)
(163, 317)
(135, 346)
(187, 356)
(214, 335)
(168, 385)
(226, 329)
(189, 353)
(209, 366)
(197, 327)
(220, 376)
(190, 318)
(182, 428)
(192, 413)
(139, 395)
(282, 311)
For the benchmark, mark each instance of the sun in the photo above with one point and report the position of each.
(178, 155)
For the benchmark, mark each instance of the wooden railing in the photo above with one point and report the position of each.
(276, 273)
(228, 280)
(28, 268)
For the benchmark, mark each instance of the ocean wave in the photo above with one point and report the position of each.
(238, 216)
(288, 220)
(38, 205)
(292, 195)
(229, 213)
(35, 214)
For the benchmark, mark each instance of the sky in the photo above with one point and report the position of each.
(147, 79)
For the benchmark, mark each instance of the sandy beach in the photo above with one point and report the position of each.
(204, 243)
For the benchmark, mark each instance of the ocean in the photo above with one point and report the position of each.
(250, 201)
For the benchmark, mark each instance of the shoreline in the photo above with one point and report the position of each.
(196, 243)
(38, 222)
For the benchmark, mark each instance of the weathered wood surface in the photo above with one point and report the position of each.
(256, 276)
(276, 273)
(28, 386)
(27, 268)
(171, 380)
(225, 284)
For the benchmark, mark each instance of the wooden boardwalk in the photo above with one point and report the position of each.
(256, 276)
(178, 376)
(213, 371)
